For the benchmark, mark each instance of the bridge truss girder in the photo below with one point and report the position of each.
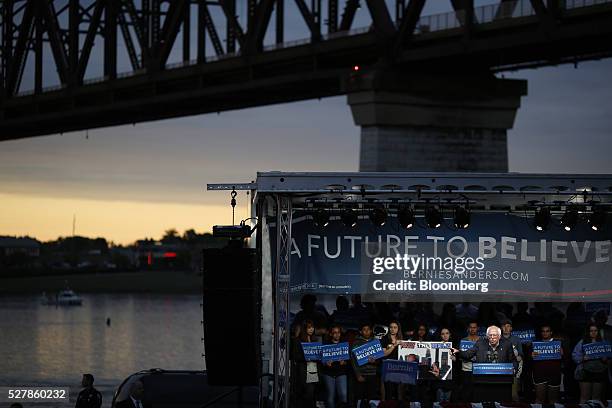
(246, 70)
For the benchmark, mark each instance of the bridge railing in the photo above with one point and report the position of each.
(426, 24)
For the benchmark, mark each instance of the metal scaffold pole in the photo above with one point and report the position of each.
(281, 301)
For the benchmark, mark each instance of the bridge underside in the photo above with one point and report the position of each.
(315, 70)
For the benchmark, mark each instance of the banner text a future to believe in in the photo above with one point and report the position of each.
(498, 256)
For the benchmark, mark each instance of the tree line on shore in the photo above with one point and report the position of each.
(73, 254)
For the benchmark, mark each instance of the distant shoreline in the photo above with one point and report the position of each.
(107, 282)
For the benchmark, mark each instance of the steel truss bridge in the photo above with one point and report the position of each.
(189, 57)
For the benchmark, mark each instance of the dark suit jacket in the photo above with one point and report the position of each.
(129, 404)
(482, 350)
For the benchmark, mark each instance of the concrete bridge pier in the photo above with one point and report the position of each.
(421, 122)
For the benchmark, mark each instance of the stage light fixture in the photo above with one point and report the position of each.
(433, 217)
(570, 218)
(405, 217)
(348, 218)
(597, 219)
(462, 217)
(378, 216)
(321, 218)
(541, 219)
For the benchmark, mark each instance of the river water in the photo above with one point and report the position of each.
(49, 345)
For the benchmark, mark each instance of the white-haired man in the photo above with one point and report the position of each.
(493, 349)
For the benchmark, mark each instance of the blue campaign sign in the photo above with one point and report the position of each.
(492, 369)
(440, 345)
(395, 371)
(370, 349)
(465, 345)
(335, 352)
(600, 349)
(526, 336)
(312, 351)
(546, 350)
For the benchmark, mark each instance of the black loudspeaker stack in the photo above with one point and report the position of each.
(231, 305)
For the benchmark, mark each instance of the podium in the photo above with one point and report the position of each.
(492, 381)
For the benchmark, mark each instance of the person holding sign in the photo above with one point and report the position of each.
(334, 372)
(444, 388)
(546, 369)
(390, 343)
(467, 386)
(366, 350)
(305, 367)
(591, 370)
(517, 346)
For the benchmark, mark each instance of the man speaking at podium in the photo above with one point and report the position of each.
(492, 350)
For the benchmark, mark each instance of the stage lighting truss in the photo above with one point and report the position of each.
(592, 213)
(406, 214)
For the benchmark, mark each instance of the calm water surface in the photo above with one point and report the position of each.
(49, 345)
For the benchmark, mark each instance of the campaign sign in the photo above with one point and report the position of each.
(546, 350)
(526, 336)
(465, 345)
(431, 355)
(403, 372)
(492, 369)
(440, 345)
(599, 349)
(370, 349)
(334, 352)
(312, 351)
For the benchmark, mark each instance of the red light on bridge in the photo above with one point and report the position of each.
(169, 254)
(356, 68)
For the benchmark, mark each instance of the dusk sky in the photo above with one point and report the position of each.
(130, 182)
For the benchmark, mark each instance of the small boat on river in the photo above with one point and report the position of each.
(66, 297)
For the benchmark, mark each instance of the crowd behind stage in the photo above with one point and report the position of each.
(572, 379)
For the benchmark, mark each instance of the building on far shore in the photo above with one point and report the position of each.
(158, 255)
(18, 253)
(19, 245)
